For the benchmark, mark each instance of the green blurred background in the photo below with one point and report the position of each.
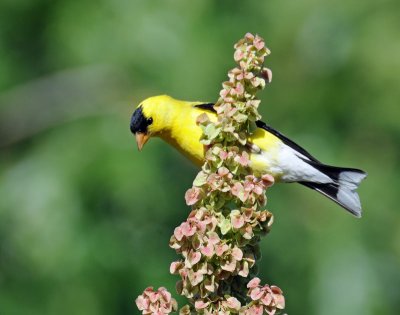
(85, 219)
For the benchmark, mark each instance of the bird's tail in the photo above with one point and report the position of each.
(342, 189)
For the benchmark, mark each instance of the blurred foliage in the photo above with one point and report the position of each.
(85, 219)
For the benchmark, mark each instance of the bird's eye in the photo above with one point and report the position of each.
(150, 121)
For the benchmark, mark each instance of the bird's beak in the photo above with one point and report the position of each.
(141, 139)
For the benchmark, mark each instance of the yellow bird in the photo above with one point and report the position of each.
(175, 122)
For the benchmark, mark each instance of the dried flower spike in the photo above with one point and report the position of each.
(219, 242)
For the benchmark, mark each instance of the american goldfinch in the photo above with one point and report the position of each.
(270, 151)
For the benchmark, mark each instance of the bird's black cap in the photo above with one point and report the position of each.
(139, 122)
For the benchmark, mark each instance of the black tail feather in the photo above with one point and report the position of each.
(333, 171)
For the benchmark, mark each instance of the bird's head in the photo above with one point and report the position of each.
(149, 118)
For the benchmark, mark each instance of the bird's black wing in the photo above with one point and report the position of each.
(263, 125)
(206, 106)
(285, 140)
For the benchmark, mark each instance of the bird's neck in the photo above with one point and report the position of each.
(182, 132)
(166, 121)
